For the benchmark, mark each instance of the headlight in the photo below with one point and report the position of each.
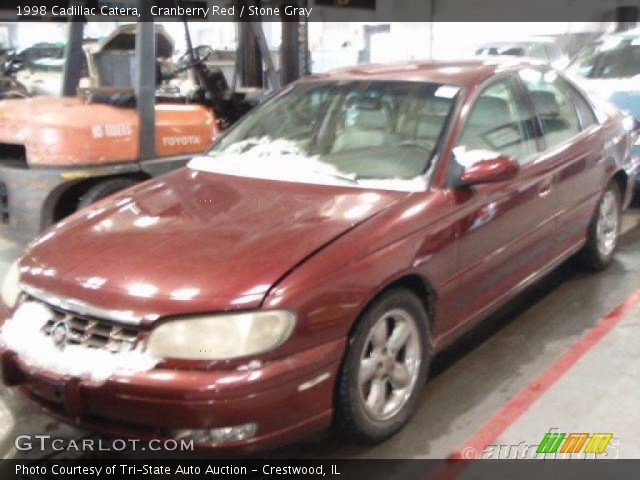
(225, 336)
(11, 286)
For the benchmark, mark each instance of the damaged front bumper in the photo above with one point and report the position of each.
(285, 399)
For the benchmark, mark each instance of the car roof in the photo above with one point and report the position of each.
(465, 73)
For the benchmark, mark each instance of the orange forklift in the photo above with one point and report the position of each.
(58, 155)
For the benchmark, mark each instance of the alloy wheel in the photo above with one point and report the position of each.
(607, 226)
(389, 364)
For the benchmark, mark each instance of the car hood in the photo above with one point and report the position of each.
(193, 242)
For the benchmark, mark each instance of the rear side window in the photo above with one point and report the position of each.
(512, 52)
(554, 105)
(585, 112)
(500, 121)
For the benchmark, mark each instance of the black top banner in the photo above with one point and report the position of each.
(323, 10)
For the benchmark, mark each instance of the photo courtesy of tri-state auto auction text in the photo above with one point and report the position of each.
(319, 238)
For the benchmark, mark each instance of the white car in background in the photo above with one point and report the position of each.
(609, 69)
(107, 63)
(544, 49)
(42, 77)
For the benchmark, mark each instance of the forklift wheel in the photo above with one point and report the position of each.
(103, 189)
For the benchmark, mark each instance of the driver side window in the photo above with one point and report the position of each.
(500, 121)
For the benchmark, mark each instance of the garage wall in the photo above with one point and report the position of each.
(455, 38)
(338, 44)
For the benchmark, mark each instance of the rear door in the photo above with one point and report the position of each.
(572, 144)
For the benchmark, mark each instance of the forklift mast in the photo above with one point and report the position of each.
(253, 51)
(146, 72)
(146, 81)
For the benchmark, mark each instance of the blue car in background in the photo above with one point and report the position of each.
(609, 69)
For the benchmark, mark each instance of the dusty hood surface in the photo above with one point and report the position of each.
(193, 241)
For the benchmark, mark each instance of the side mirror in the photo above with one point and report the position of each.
(492, 167)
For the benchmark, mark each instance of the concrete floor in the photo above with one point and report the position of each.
(474, 384)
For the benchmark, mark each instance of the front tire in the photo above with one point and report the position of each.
(385, 368)
(103, 189)
(604, 230)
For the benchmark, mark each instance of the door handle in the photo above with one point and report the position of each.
(544, 191)
(602, 157)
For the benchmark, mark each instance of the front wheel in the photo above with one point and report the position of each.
(604, 230)
(103, 189)
(385, 368)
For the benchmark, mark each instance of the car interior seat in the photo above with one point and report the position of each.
(367, 124)
(424, 120)
(489, 115)
(548, 109)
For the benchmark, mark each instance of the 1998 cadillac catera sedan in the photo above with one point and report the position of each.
(309, 267)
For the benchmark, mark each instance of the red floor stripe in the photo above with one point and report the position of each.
(488, 433)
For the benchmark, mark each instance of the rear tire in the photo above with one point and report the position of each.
(604, 231)
(103, 189)
(385, 368)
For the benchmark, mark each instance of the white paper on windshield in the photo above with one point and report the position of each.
(282, 160)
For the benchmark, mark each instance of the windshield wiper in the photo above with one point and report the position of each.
(341, 176)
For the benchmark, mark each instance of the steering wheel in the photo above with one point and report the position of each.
(201, 53)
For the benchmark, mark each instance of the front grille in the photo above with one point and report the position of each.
(4, 203)
(92, 332)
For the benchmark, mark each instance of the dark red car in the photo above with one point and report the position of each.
(307, 269)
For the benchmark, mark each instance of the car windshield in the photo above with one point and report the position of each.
(48, 65)
(351, 131)
(501, 50)
(613, 58)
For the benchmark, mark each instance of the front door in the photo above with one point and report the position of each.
(505, 229)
